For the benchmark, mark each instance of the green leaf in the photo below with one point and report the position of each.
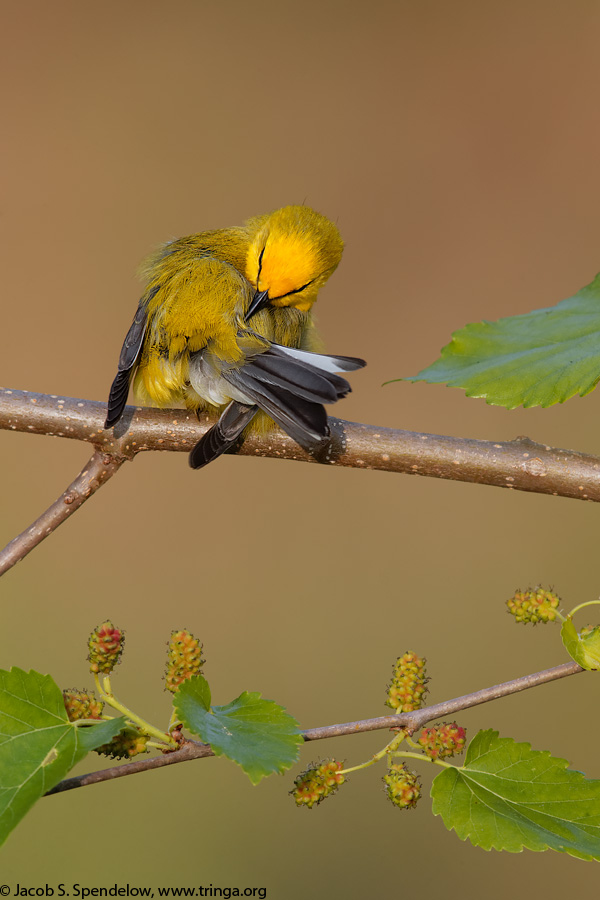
(583, 648)
(509, 797)
(38, 744)
(255, 733)
(536, 359)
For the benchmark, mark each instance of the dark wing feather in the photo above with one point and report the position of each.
(346, 363)
(299, 378)
(223, 435)
(322, 361)
(304, 420)
(289, 385)
(127, 360)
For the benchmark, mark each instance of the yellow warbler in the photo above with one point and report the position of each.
(225, 325)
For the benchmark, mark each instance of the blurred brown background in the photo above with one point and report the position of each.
(457, 147)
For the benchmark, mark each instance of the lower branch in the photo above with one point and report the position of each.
(189, 750)
(412, 721)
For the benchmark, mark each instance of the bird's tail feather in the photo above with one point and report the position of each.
(304, 420)
(296, 377)
(291, 387)
(222, 436)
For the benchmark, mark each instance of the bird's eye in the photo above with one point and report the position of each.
(297, 290)
(260, 259)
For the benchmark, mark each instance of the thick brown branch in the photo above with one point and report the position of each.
(413, 721)
(521, 464)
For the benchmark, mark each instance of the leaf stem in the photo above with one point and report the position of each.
(107, 695)
(582, 605)
(388, 749)
(173, 721)
(406, 754)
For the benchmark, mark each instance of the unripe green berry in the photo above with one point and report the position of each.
(402, 786)
(184, 659)
(317, 782)
(124, 745)
(534, 605)
(408, 684)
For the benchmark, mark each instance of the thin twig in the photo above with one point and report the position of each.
(520, 464)
(417, 719)
(412, 721)
(98, 470)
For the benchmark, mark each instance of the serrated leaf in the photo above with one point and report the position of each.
(38, 744)
(509, 797)
(584, 649)
(536, 359)
(255, 733)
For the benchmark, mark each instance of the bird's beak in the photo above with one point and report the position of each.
(259, 301)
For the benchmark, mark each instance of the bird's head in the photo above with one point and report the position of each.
(292, 253)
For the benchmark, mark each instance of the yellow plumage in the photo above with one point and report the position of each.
(218, 311)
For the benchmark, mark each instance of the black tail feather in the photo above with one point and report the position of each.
(321, 361)
(222, 436)
(304, 420)
(297, 377)
(291, 387)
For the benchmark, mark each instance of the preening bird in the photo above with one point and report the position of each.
(225, 325)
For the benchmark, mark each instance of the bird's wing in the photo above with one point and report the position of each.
(324, 361)
(290, 385)
(292, 390)
(320, 382)
(222, 436)
(130, 352)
